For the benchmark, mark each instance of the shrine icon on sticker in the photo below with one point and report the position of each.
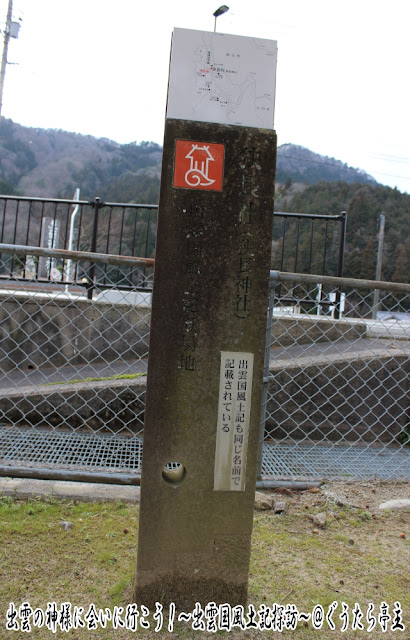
(199, 165)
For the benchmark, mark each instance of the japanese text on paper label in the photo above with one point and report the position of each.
(235, 389)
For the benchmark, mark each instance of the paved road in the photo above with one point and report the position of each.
(348, 348)
(321, 350)
(48, 375)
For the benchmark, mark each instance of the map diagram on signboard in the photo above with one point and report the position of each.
(215, 77)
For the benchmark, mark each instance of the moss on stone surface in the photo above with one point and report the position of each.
(122, 376)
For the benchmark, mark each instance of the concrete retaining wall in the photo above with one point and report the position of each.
(289, 330)
(351, 397)
(346, 397)
(39, 332)
(90, 405)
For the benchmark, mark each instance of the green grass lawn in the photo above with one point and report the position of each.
(358, 557)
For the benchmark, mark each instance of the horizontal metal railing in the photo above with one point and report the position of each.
(302, 242)
(85, 269)
(127, 229)
(332, 281)
(64, 254)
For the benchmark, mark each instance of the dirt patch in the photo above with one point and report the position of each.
(359, 495)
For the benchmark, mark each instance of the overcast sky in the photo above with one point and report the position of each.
(100, 67)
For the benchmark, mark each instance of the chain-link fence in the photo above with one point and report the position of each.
(337, 379)
(73, 369)
(73, 372)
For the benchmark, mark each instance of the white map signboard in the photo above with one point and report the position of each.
(215, 77)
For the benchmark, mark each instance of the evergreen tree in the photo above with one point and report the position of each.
(369, 261)
(402, 266)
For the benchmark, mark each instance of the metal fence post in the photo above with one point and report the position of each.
(342, 242)
(273, 279)
(340, 266)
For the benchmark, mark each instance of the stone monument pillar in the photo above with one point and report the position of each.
(206, 360)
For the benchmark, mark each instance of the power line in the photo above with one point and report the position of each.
(339, 162)
(391, 175)
(333, 164)
(386, 157)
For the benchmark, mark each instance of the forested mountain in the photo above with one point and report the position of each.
(52, 163)
(363, 204)
(298, 164)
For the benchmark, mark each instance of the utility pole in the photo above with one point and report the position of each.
(7, 35)
(379, 264)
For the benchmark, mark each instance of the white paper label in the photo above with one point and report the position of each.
(234, 408)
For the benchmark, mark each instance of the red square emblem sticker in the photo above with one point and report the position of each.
(199, 165)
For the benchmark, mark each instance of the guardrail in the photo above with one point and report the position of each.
(83, 269)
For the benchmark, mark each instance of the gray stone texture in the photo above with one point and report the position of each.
(194, 542)
(401, 503)
(29, 488)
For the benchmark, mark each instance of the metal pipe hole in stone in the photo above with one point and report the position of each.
(174, 473)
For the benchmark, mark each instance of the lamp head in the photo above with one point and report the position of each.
(222, 9)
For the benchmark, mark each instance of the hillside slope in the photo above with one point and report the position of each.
(363, 204)
(302, 165)
(52, 163)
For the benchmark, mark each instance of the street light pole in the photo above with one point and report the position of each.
(219, 12)
(5, 48)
